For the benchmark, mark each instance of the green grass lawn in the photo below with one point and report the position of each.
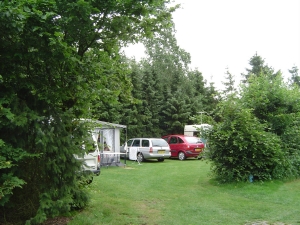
(182, 192)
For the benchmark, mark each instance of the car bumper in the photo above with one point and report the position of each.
(189, 154)
(157, 156)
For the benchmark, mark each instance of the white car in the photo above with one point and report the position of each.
(146, 148)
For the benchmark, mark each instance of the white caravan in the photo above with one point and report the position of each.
(197, 130)
(91, 159)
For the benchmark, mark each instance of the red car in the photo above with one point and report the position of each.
(183, 146)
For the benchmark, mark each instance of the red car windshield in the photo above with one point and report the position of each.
(193, 140)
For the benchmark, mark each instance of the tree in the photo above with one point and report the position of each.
(196, 90)
(229, 84)
(57, 58)
(211, 99)
(130, 111)
(115, 89)
(259, 67)
(295, 79)
(152, 103)
(258, 132)
(241, 148)
(176, 112)
(160, 80)
(272, 101)
(276, 104)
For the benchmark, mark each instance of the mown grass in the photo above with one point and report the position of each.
(182, 192)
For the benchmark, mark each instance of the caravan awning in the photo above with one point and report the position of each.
(110, 125)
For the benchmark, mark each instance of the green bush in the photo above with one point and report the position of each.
(290, 142)
(241, 148)
(258, 134)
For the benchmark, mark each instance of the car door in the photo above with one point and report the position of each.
(173, 143)
(145, 148)
(134, 148)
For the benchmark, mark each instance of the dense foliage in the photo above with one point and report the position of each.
(240, 146)
(258, 131)
(58, 58)
(166, 94)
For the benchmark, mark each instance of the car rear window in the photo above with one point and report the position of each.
(193, 140)
(159, 142)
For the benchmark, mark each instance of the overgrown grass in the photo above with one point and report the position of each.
(181, 192)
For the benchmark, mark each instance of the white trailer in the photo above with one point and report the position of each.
(197, 130)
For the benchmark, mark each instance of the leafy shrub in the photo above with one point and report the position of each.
(258, 135)
(240, 147)
(290, 142)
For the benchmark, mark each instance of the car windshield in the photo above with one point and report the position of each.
(193, 140)
(159, 142)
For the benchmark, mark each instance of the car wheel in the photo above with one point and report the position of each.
(181, 156)
(160, 159)
(140, 157)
